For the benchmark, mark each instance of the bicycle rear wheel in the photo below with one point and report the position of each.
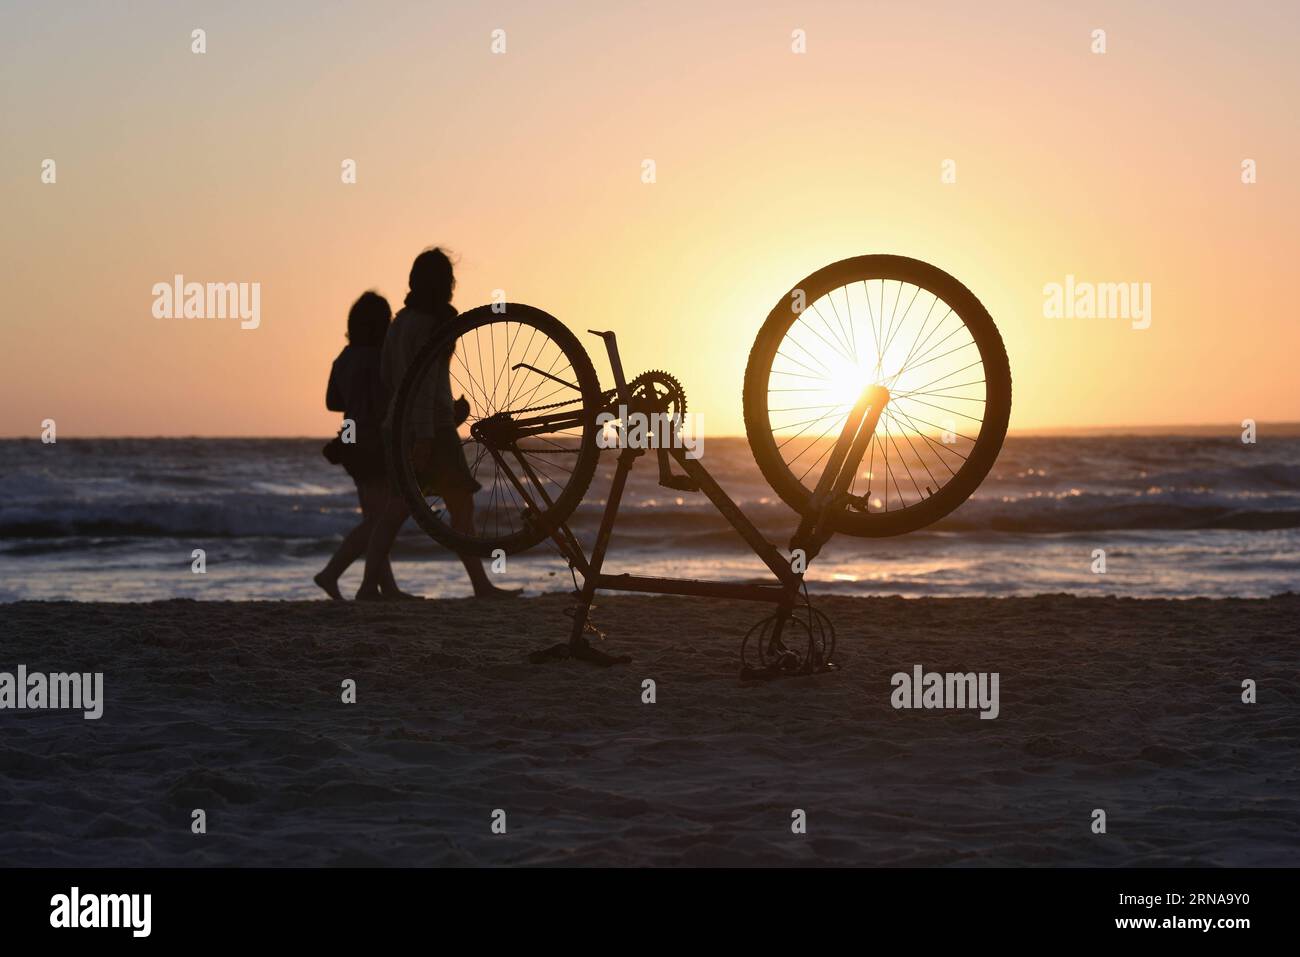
(529, 440)
(895, 322)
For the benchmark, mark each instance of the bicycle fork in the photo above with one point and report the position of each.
(833, 486)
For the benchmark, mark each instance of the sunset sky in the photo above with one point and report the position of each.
(225, 166)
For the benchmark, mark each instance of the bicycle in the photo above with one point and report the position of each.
(836, 368)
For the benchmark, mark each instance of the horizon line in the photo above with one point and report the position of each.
(1028, 431)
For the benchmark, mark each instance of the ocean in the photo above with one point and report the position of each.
(1176, 516)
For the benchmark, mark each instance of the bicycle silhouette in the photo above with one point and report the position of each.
(876, 399)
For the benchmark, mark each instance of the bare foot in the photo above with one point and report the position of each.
(329, 585)
(369, 594)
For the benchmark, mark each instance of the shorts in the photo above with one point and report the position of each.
(365, 463)
(447, 471)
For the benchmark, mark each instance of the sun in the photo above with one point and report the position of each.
(848, 378)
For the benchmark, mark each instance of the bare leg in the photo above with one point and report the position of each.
(352, 547)
(391, 513)
(380, 496)
(461, 506)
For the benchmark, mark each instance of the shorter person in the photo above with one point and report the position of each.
(357, 390)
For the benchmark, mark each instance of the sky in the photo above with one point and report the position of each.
(225, 166)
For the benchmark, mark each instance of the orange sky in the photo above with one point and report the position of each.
(225, 167)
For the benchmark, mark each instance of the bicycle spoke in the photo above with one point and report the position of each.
(821, 366)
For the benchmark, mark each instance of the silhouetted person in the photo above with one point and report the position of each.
(356, 389)
(437, 453)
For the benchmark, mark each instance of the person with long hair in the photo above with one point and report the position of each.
(356, 389)
(438, 455)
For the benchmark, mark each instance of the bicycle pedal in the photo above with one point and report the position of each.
(588, 626)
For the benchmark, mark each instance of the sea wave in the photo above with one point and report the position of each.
(660, 523)
(283, 489)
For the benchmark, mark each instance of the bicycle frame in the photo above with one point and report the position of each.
(784, 592)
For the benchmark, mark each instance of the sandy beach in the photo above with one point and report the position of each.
(1131, 706)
